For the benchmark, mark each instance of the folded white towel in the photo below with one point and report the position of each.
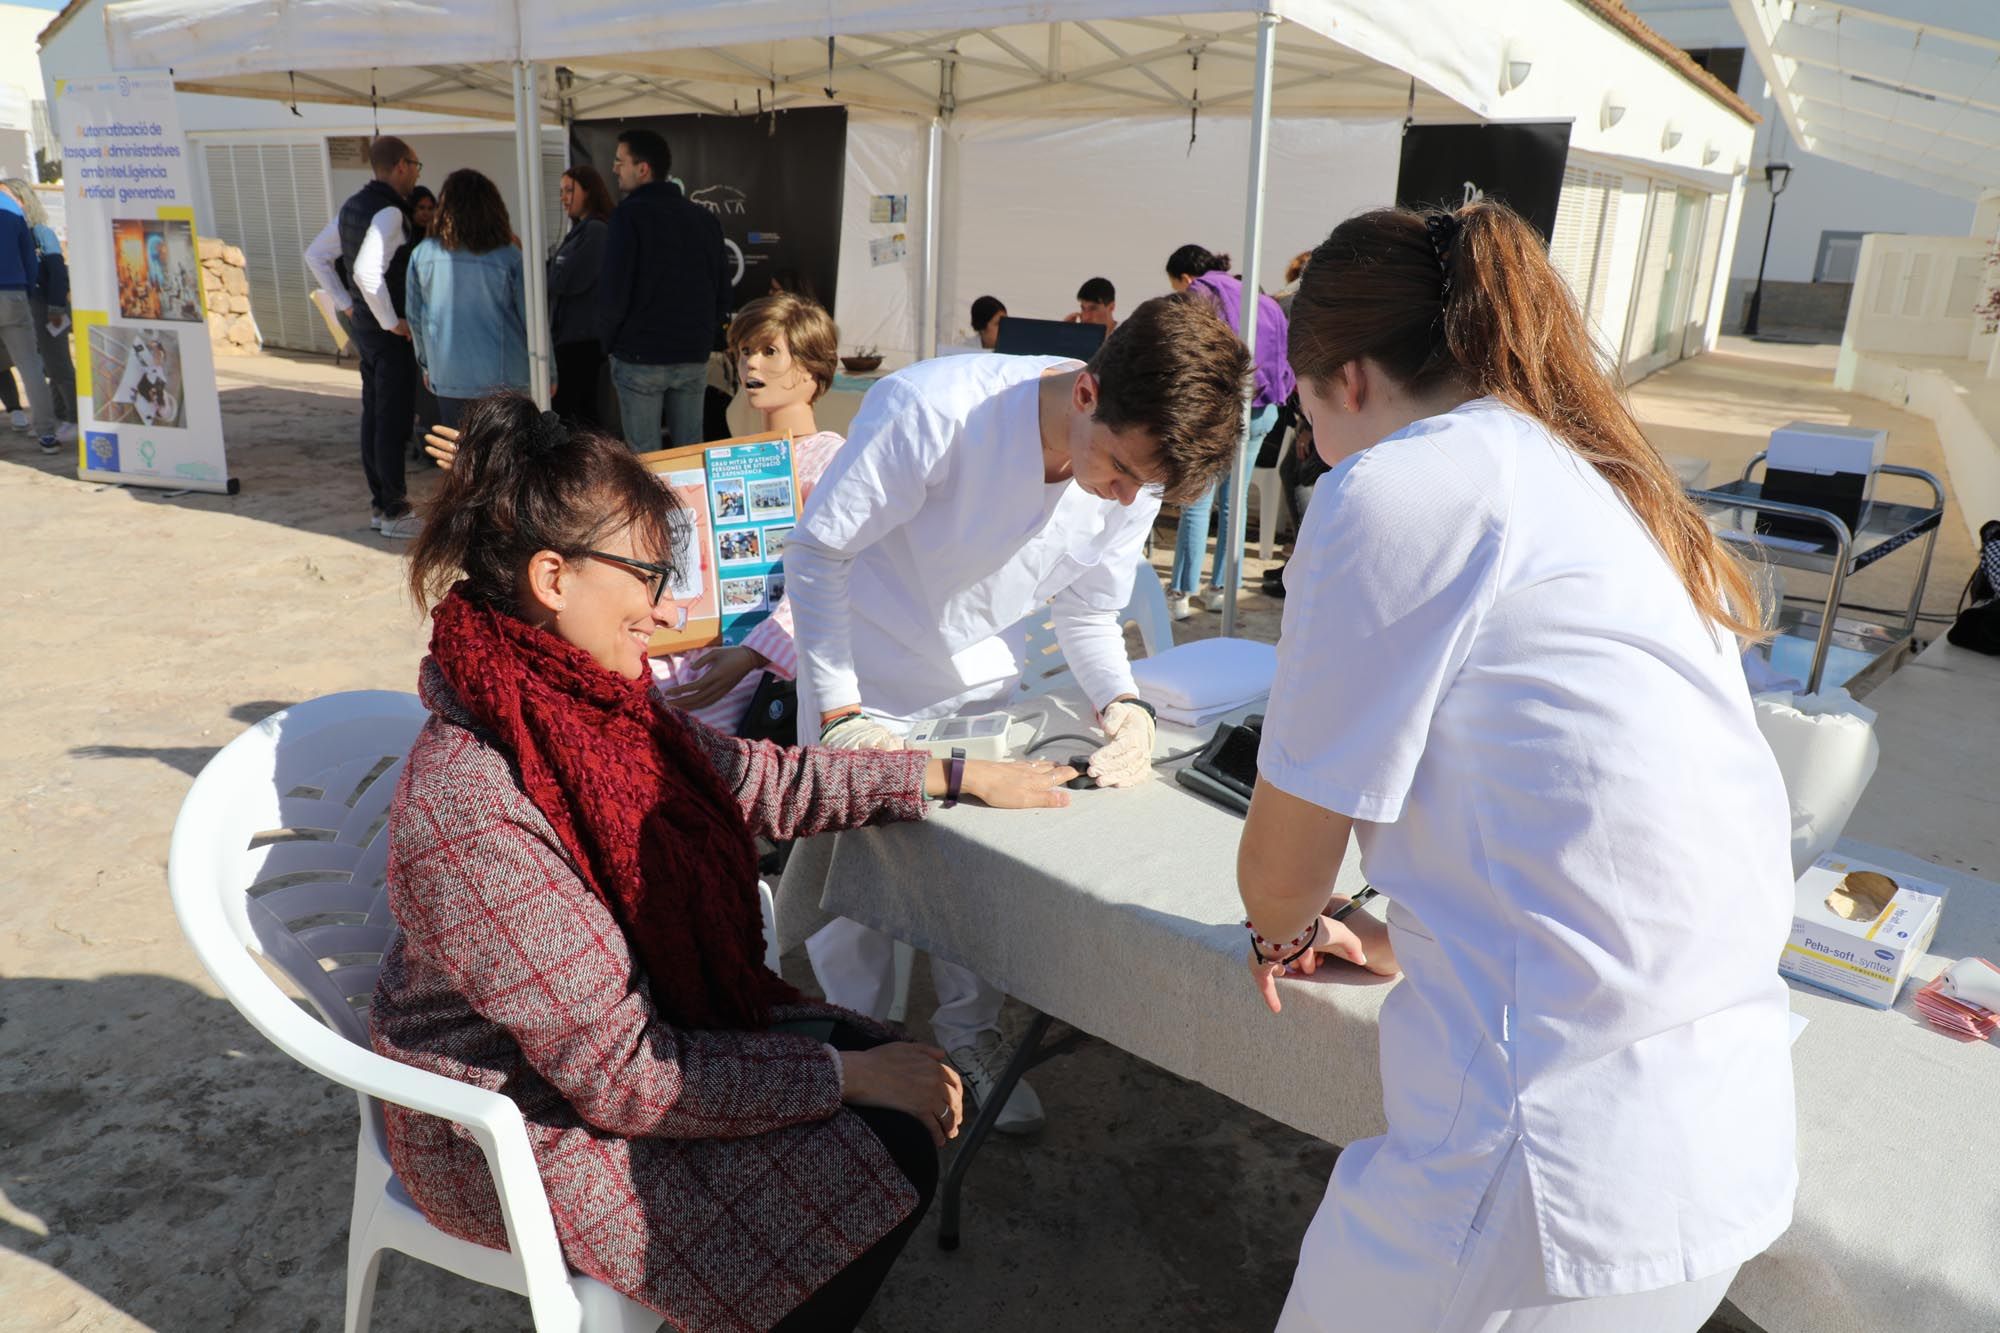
(1207, 675)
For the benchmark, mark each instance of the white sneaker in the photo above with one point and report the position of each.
(66, 432)
(981, 1065)
(18, 418)
(375, 519)
(1178, 605)
(402, 529)
(1211, 597)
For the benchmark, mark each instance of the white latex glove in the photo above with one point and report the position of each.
(1126, 760)
(864, 733)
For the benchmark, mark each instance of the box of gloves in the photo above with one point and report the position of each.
(1858, 929)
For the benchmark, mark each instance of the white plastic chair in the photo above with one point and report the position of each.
(1043, 667)
(280, 851)
(1269, 489)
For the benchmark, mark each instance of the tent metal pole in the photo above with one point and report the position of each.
(534, 269)
(927, 301)
(1253, 247)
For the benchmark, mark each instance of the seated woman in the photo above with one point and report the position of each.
(573, 868)
(465, 297)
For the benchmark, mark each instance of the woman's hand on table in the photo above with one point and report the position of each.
(721, 669)
(906, 1076)
(1361, 940)
(1033, 785)
(441, 443)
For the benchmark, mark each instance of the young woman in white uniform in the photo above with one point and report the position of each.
(1509, 667)
(974, 491)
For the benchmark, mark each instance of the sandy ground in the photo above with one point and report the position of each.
(163, 1167)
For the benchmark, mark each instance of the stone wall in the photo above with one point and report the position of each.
(225, 290)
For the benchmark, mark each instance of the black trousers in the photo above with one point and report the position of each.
(388, 404)
(579, 382)
(838, 1306)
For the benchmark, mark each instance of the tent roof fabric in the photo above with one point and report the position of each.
(629, 57)
(1909, 89)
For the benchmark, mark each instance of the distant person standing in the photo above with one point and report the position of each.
(467, 298)
(52, 321)
(20, 288)
(374, 226)
(574, 269)
(662, 295)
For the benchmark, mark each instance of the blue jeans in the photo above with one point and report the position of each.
(642, 390)
(1193, 534)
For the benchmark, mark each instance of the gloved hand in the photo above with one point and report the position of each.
(863, 733)
(1126, 760)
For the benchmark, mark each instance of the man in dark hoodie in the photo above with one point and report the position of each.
(663, 295)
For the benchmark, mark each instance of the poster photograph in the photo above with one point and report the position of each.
(158, 276)
(771, 499)
(739, 547)
(743, 594)
(145, 366)
(728, 500)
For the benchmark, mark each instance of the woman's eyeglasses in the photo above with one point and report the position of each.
(659, 578)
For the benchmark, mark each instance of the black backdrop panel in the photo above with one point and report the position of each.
(773, 180)
(1518, 165)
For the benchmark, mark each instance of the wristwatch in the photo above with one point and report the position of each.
(1139, 703)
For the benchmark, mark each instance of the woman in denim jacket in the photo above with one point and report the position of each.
(466, 304)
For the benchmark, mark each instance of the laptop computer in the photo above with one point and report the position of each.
(1048, 337)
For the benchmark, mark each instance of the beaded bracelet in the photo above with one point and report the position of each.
(1300, 943)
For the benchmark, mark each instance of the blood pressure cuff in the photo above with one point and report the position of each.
(773, 714)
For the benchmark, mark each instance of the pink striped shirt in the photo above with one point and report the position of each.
(772, 636)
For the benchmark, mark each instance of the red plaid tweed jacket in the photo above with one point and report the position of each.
(712, 1176)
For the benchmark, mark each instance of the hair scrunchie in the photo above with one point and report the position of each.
(1443, 229)
(547, 434)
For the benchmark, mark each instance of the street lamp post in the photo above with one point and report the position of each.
(1777, 175)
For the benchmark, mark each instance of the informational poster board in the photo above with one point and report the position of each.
(147, 410)
(738, 501)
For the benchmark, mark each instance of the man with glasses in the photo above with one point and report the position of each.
(373, 226)
(663, 295)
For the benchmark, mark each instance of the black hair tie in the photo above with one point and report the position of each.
(1443, 229)
(545, 435)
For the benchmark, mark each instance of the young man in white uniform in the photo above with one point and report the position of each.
(974, 491)
(1509, 665)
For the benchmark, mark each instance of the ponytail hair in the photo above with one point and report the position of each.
(1470, 298)
(523, 482)
(1191, 261)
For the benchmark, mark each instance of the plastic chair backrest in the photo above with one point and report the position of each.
(1040, 654)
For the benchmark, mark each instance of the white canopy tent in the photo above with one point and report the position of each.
(562, 60)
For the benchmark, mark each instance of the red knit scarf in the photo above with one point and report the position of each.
(657, 834)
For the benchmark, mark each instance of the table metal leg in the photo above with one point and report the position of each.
(1027, 1055)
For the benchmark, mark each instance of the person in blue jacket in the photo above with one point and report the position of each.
(52, 319)
(20, 289)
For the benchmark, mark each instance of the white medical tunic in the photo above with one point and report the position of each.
(1488, 662)
(933, 531)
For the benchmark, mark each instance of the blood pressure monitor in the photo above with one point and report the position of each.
(982, 736)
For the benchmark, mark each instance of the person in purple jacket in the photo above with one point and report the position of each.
(1193, 269)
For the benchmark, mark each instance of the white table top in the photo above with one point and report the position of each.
(1120, 915)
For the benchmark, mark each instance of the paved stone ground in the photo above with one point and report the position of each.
(162, 1167)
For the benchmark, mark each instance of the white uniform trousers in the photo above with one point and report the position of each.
(1349, 1281)
(856, 968)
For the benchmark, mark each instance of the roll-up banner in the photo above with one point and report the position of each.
(147, 411)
